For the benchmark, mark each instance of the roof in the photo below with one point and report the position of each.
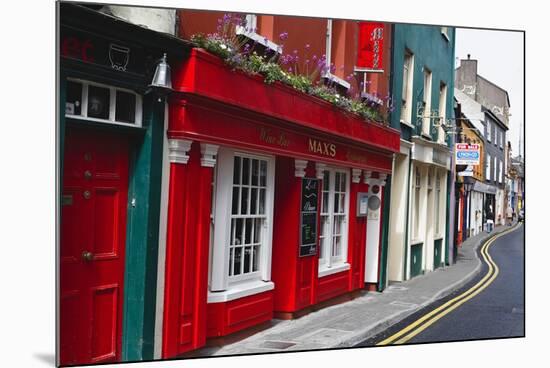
(471, 109)
(502, 89)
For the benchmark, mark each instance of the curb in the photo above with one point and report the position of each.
(377, 327)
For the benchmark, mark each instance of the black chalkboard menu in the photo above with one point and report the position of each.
(308, 217)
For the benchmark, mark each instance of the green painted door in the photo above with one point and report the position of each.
(437, 253)
(416, 259)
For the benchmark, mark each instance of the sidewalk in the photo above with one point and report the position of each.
(349, 323)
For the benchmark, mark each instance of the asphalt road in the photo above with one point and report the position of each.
(496, 312)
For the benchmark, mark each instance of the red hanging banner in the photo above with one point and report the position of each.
(370, 47)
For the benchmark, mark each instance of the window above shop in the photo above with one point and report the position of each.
(250, 31)
(102, 103)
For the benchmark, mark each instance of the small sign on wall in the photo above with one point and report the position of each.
(362, 204)
(308, 217)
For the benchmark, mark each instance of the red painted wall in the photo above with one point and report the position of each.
(304, 31)
(188, 233)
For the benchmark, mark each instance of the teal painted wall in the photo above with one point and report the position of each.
(142, 240)
(431, 50)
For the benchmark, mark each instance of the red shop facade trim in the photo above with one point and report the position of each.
(263, 189)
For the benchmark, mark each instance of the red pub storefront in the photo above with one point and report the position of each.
(267, 209)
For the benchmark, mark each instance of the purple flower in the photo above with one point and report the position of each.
(314, 58)
(307, 46)
(283, 36)
(295, 52)
(226, 18)
(307, 61)
(290, 70)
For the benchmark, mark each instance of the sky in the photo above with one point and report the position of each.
(499, 57)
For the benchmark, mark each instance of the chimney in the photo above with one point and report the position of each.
(466, 75)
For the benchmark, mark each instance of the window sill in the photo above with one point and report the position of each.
(335, 269)
(331, 77)
(416, 242)
(407, 124)
(241, 290)
(261, 40)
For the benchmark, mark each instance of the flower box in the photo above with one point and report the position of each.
(206, 75)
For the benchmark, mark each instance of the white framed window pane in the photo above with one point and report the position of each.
(247, 262)
(236, 200)
(257, 230)
(99, 101)
(237, 170)
(125, 107)
(263, 173)
(255, 172)
(254, 201)
(73, 105)
(324, 208)
(246, 171)
(336, 246)
(255, 258)
(237, 264)
(261, 209)
(248, 209)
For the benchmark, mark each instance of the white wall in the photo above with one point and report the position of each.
(398, 218)
(160, 20)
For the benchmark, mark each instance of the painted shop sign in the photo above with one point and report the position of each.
(467, 154)
(371, 47)
(92, 49)
(308, 217)
(228, 130)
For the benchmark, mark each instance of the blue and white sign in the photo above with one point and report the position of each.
(467, 154)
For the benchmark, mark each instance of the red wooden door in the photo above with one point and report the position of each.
(93, 236)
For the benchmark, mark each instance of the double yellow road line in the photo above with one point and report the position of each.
(430, 318)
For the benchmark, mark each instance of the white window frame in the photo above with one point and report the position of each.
(407, 99)
(501, 172)
(222, 286)
(427, 101)
(502, 134)
(442, 111)
(328, 53)
(331, 264)
(112, 104)
(249, 32)
(488, 131)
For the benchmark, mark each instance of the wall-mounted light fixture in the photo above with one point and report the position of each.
(161, 84)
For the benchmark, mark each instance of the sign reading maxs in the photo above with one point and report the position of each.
(467, 154)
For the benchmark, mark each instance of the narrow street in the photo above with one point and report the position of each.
(496, 312)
